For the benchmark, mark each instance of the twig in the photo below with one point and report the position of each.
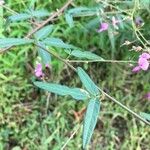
(57, 56)
(47, 102)
(57, 13)
(72, 135)
(124, 107)
(107, 61)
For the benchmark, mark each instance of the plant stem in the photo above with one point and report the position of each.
(55, 14)
(72, 135)
(107, 95)
(125, 107)
(133, 24)
(56, 56)
(107, 61)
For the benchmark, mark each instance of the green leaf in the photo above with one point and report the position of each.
(39, 13)
(92, 23)
(7, 42)
(145, 115)
(76, 93)
(19, 17)
(81, 11)
(77, 10)
(90, 120)
(45, 56)
(87, 82)
(28, 15)
(56, 42)
(85, 54)
(44, 32)
(69, 19)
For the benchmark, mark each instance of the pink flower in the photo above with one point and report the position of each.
(103, 27)
(145, 55)
(38, 71)
(143, 63)
(147, 96)
(136, 69)
(115, 22)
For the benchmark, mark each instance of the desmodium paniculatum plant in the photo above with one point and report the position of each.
(111, 19)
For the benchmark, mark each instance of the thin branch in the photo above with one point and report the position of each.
(57, 56)
(57, 13)
(72, 135)
(105, 61)
(126, 108)
(47, 102)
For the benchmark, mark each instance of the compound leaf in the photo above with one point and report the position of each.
(28, 15)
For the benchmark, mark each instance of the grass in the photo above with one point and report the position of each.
(28, 121)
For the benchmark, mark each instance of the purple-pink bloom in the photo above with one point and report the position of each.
(38, 71)
(136, 69)
(143, 63)
(104, 26)
(115, 22)
(145, 55)
(147, 96)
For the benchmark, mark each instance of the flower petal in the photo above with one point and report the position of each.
(147, 96)
(143, 63)
(104, 26)
(145, 55)
(136, 69)
(38, 71)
